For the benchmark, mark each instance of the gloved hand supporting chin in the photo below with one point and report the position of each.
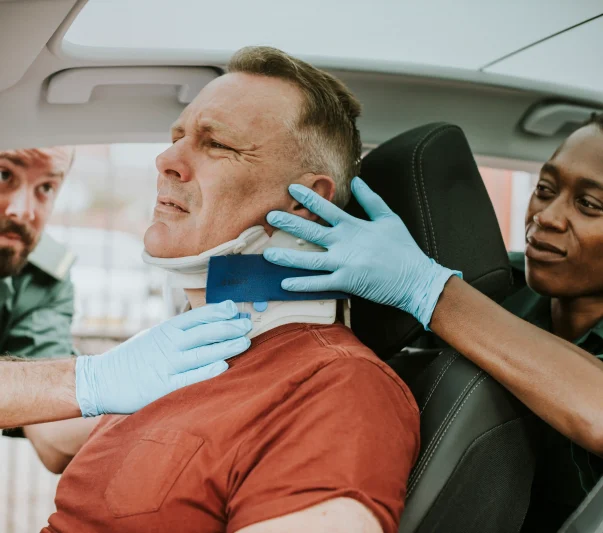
(377, 259)
(186, 349)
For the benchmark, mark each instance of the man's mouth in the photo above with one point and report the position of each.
(541, 250)
(12, 236)
(170, 205)
(13, 233)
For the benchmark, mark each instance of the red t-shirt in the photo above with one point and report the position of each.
(307, 414)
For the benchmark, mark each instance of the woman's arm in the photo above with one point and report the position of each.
(560, 382)
(379, 260)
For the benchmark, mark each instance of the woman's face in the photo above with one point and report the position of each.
(564, 221)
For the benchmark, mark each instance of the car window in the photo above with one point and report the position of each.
(101, 214)
(510, 192)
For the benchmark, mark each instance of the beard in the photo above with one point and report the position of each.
(12, 261)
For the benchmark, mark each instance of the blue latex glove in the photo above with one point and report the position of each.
(183, 350)
(377, 260)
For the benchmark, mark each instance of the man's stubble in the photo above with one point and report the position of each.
(11, 261)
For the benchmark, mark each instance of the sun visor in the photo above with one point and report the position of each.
(75, 86)
(25, 28)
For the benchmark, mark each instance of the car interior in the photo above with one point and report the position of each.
(588, 516)
(469, 423)
(444, 87)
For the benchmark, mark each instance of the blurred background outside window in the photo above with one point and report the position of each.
(510, 192)
(101, 214)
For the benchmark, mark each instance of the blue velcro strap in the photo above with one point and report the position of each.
(250, 278)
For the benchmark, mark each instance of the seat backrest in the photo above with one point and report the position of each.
(476, 463)
(475, 470)
(429, 177)
(588, 517)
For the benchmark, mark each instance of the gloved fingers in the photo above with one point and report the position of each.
(299, 227)
(374, 206)
(205, 355)
(201, 374)
(205, 315)
(311, 284)
(208, 334)
(299, 259)
(317, 204)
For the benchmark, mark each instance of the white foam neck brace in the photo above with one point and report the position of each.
(191, 273)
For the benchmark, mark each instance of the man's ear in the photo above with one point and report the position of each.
(322, 185)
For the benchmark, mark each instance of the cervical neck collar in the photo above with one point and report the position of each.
(191, 273)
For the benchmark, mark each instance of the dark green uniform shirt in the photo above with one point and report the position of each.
(36, 306)
(565, 472)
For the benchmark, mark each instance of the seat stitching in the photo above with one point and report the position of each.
(485, 434)
(443, 434)
(423, 148)
(454, 405)
(435, 447)
(459, 396)
(414, 180)
(439, 377)
(435, 248)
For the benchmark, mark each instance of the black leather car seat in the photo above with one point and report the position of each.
(588, 517)
(476, 463)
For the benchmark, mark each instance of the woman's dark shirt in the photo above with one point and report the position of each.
(565, 472)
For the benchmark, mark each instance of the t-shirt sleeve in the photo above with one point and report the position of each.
(351, 430)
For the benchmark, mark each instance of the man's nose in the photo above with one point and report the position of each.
(172, 162)
(553, 216)
(21, 206)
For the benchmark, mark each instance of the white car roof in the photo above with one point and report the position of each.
(122, 70)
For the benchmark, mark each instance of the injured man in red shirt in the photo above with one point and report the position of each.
(307, 430)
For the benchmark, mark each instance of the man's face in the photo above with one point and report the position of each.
(230, 163)
(564, 221)
(29, 182)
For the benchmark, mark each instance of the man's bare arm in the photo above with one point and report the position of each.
(183, 350)
(560, 382)
(56, 443)
(37, 391)
(340, 515)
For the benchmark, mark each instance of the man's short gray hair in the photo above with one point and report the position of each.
(326, 132)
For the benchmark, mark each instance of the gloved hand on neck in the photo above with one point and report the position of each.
(377, 260)
(186, 349)
(191, 273)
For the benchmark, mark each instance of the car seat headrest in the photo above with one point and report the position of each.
(428, 176)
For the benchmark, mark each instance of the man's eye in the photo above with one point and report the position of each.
(5, 175)
(47, 188)
(220, 146)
